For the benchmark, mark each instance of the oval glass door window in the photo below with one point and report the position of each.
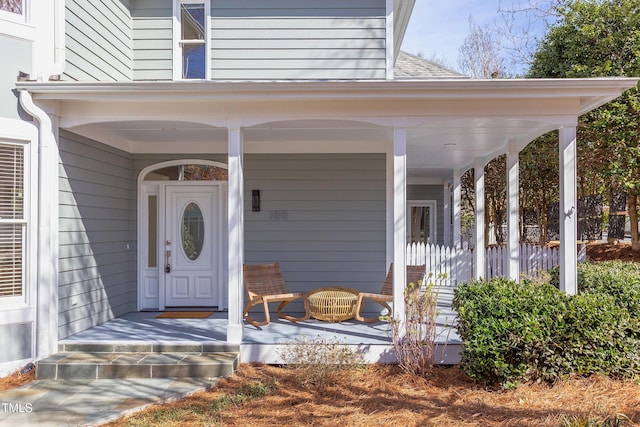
(192, 231)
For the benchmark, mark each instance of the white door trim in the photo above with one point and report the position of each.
(147, 188)
(433, 219)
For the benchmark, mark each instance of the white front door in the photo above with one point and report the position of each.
(192, 246)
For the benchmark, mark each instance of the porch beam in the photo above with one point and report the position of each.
(478, 252)
(399, 220)
(513, 195)
(457, 199)
(568, 211)
(236, 233)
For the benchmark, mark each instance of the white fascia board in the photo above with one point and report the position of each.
(589, 92)
(402, 10)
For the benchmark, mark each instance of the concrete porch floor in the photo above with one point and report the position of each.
(263, 344)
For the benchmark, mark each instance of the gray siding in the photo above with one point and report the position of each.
(152, 39)
(98, 41)
(16, 342)
(322, 217)
(289, 39)
(271, 39)
(97, 273)
(16, 57)
(431, 192)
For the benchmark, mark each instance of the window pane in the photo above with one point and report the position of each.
(13, 6)
(193, 61)
(419, 224)
(11, 181)
(192, 18)
(188, 173)
(11, 259)
(192, 231)
(153, 232)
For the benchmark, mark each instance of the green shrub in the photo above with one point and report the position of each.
(513, 332)
(506, 327)
(619, 279)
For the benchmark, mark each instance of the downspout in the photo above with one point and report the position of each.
(59, 56)
(47, 229)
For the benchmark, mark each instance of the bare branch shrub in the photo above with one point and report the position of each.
(414, 335)
(316, 360)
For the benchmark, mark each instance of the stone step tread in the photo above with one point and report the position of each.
(131, 358)
(120, 347)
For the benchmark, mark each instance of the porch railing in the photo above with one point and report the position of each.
(455, 265)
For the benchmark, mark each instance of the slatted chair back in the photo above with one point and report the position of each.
(264, 279)
(415, 274)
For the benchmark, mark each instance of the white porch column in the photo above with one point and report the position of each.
(568, 211)
(513, 194)
(236, 234)
(446, 196)
(457, 200)
(478, 252)
(399, 220)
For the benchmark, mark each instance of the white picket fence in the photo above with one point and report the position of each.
(455, 265)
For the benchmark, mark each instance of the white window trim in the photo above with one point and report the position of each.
(177, 49)
(18, 25)
(18, 132)
(433, 217)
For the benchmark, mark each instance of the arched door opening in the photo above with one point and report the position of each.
(182, 235)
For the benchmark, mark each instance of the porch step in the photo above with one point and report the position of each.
(111, 361)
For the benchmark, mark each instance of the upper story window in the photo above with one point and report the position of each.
(192, 40)
(13, 10)
(15, 19)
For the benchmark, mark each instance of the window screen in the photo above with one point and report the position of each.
(12, 219)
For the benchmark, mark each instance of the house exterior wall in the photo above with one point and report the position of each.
(152, 22)
(16, 333)
(293, 39)
(431, 192)
(97, 259)
(250, 40)
(322, 217)
(16, 57)
(98, 41)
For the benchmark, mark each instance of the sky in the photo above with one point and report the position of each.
(438, 27)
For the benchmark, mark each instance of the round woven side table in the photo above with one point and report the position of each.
(332, 304)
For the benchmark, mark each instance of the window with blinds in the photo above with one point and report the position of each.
(12, 220)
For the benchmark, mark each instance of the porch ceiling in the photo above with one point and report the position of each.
(449, 123)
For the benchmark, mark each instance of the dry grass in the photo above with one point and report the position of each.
(382, 395)
(16, 380)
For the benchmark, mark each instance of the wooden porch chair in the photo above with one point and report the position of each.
(415, 274)
(264, 284)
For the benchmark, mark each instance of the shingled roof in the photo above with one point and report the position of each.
(410, 66)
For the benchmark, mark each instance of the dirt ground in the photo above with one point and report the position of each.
(607, 251)
(16, 380)
(382, 395)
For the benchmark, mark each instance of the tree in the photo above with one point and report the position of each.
(597, 38)
(519, 23)
(479, 55)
